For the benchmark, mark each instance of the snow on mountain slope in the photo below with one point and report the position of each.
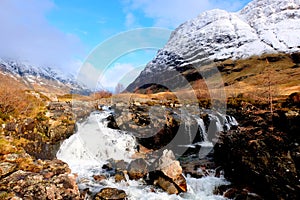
(40, 77)
(277, 23)
(263, 26)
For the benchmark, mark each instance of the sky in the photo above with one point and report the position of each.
(64, 33)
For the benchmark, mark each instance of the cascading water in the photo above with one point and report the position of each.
(217, 123)
(202, 128)
(94, 143)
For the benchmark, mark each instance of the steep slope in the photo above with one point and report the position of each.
(263, 26)
(43, 79)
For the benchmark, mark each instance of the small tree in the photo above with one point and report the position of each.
(119, 88)
(270, 85)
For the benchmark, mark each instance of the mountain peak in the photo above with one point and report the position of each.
(262, 26)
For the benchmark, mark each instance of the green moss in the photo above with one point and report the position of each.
(4, 195)
(4, 116)
(41, 116)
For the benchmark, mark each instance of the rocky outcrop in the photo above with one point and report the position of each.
(43, 133)
(23, 177)
(24, 141)
(165, 172)
(155, 126)
(263, 152)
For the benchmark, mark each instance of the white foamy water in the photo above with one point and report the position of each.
(93, 144)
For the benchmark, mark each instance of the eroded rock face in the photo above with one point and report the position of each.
(111, 194)
(263, 153)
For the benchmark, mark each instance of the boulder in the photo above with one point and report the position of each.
(168, 174)
(169, 165)
(137, 169)
(110, 194)
(120, 176)
(166, 184)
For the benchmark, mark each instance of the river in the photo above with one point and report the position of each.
(93, 144)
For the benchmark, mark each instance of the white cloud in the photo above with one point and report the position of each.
(130, 20)
(171, 13)
(88, 75)
(26, 34)
(115, 74)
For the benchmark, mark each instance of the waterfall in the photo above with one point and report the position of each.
(94, 143)
(202, 128)
(218, 122)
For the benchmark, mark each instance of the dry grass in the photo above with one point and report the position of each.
(71, 97)
(254, 78)
(15, 100)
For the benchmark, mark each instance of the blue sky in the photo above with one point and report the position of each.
(63, 33)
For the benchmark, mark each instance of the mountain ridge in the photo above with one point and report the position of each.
(45, 79)
(261, 27)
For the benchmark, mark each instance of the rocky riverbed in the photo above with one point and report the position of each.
(259, 156)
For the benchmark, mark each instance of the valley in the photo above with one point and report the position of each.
(214, 115)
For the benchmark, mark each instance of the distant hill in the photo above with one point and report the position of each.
(39, 78)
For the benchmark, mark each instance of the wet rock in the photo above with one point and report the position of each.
(108, 166)
(85, 194)
(234, 193)
(169, 165)
(111, 194)
(120, 165)
(166, 184)
(241, 194)
(156, 127)
(120, 176)
(197, 168)
(99, 178)
(168, 174)
(137, 169)
(112, 122)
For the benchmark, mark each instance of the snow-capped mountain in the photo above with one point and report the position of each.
(33, 76)
(262, 26)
